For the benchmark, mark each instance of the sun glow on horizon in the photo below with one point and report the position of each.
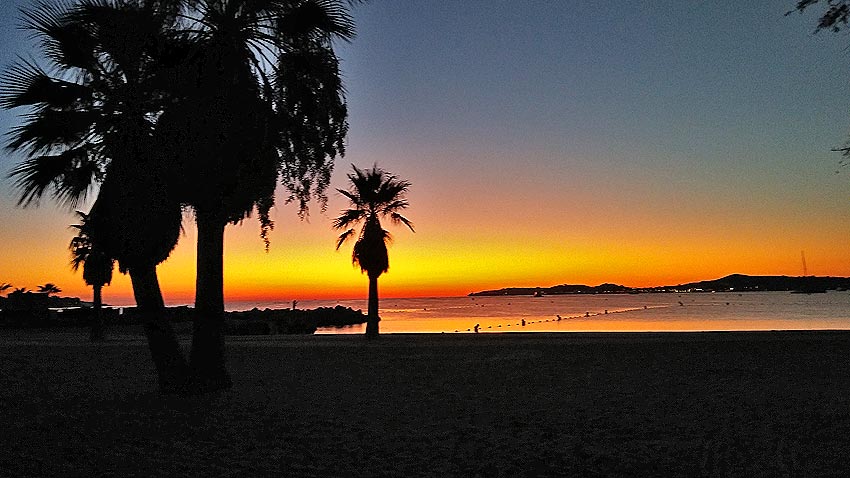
(452, 261)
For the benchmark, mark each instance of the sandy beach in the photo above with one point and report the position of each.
(683, 404)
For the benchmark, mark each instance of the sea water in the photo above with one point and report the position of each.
(658, 312)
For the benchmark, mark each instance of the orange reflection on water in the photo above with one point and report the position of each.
(588, 325)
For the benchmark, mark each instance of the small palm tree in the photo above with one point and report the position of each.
(5, 286)
(97, 270)
(49, 288)
(374, 194)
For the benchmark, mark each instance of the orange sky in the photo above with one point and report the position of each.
(454, 252)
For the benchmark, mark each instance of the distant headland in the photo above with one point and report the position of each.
(730, 283)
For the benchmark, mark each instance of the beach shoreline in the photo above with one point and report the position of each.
(537, 404)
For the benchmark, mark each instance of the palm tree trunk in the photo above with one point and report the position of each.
(165, 350)
(372, 319)
(207, 359)
(96, 334)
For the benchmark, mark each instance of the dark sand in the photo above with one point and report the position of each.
(713, 404)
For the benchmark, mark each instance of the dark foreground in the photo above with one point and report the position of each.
(719, 404)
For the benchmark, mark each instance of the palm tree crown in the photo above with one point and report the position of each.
(85, 252)
(49, 288)
(257, 95)
(373, 194)
(92, 119)
(95, 102)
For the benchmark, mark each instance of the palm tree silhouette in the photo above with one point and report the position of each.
(4, 286)
(49, 288)
(373, 194)
(97, 269)
(256, 95)
(91, 121)
(204, 103)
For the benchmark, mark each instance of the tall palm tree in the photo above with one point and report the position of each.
(256, 95)
(49, 288)
(91, 122)
(373, 194)
(97, 269)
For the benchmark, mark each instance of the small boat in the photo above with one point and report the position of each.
(537, 293)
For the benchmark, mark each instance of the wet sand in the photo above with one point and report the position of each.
(682, 404)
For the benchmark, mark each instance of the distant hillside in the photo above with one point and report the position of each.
(734, 282)
(558, 290)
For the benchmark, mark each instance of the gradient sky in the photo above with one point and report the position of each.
(548, 142)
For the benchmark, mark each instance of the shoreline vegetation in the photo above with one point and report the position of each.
(617, 404)
(249, 322)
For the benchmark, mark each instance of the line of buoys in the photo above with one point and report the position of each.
(558, 318)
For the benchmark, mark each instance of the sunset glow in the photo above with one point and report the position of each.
(581, 145)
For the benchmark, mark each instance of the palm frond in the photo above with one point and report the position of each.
(71, 174)
(327, 18)
(51, 128)
(398, 218)
(354, 198)
(124, 32)
(344, 237)
(27, 84)
(80, 250)
(66, 43)
(394, 206)
(348, 217)
(49, 288)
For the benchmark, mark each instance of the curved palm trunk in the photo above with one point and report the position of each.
(96, 333)
(207, 359)
(165, 350)
(372, 319)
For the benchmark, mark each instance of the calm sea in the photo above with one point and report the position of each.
(626, 312)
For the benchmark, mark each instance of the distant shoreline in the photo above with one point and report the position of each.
(730, 283)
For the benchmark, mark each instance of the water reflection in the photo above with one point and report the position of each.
(587, 313)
